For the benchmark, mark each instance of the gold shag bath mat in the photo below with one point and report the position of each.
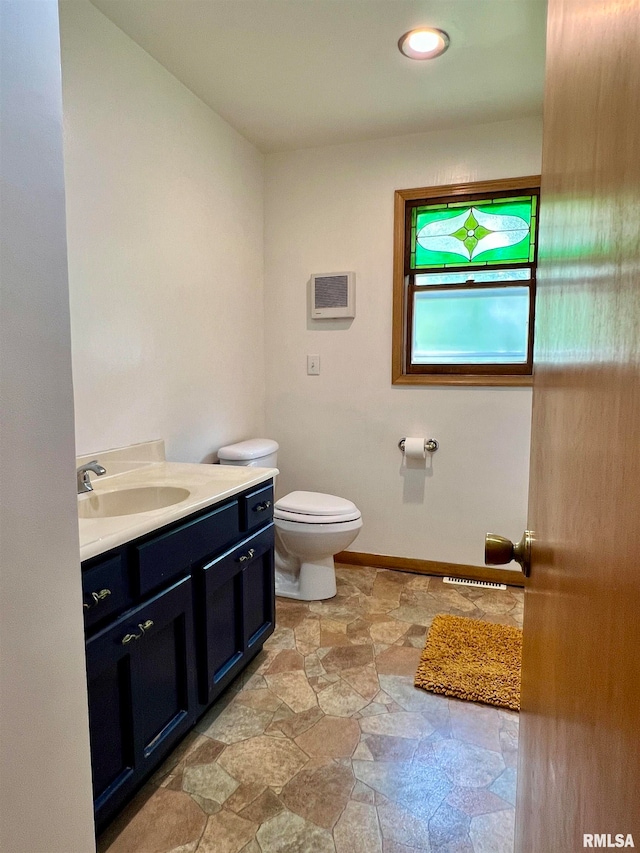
(473, 660)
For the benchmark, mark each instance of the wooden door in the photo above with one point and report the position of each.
(579, 770)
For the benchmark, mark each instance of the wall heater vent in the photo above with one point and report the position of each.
(467, 582)
(333, 295)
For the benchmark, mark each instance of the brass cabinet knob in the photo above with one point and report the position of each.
(498, 551)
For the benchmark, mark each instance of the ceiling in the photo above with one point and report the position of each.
(293, 74)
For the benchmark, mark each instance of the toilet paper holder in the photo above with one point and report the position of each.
(430, 445)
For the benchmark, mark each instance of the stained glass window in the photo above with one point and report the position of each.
(468, 287)
(500, 231)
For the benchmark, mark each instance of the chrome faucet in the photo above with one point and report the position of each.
(84, 483)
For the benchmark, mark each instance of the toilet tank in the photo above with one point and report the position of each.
(256, 452)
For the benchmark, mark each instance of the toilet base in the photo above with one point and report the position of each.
(315, 582)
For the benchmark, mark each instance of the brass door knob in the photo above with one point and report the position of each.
(499, 551)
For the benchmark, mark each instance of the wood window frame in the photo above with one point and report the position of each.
(402, 372)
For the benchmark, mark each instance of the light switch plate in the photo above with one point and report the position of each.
(313, 365)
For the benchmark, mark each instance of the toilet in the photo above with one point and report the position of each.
(310, 528)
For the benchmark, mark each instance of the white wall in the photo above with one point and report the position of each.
(331, 209)
(45, 775)
(164, 215)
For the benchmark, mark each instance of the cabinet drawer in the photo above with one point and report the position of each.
(257, 507)
(105, 590)
(170, 555)
(238, 557)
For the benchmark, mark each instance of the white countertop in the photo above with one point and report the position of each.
(207, 485)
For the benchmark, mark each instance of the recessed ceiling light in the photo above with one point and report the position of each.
(423, 43)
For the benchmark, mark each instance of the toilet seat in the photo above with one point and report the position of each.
(315, 508)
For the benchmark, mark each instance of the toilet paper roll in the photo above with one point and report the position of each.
(414, 448)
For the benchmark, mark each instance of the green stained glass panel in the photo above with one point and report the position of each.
(483, 232)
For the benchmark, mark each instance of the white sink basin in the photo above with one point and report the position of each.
(130, 501)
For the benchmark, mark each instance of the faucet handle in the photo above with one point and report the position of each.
(94, 466)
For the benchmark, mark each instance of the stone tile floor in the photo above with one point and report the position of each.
(323, 745)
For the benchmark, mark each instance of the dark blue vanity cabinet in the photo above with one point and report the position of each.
(170, 619)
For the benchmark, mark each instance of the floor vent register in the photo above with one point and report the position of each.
(468, 582)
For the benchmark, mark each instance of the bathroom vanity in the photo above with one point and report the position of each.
(171, 616)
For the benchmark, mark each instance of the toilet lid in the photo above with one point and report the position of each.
(315, 503)
(252, 448)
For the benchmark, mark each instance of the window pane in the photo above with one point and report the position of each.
(474, 232)
(477, 276)
(484, 326)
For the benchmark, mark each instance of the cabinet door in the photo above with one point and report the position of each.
(113, 760)
(236, 607)
(259, 592)
(221, 643)
(141, 680)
